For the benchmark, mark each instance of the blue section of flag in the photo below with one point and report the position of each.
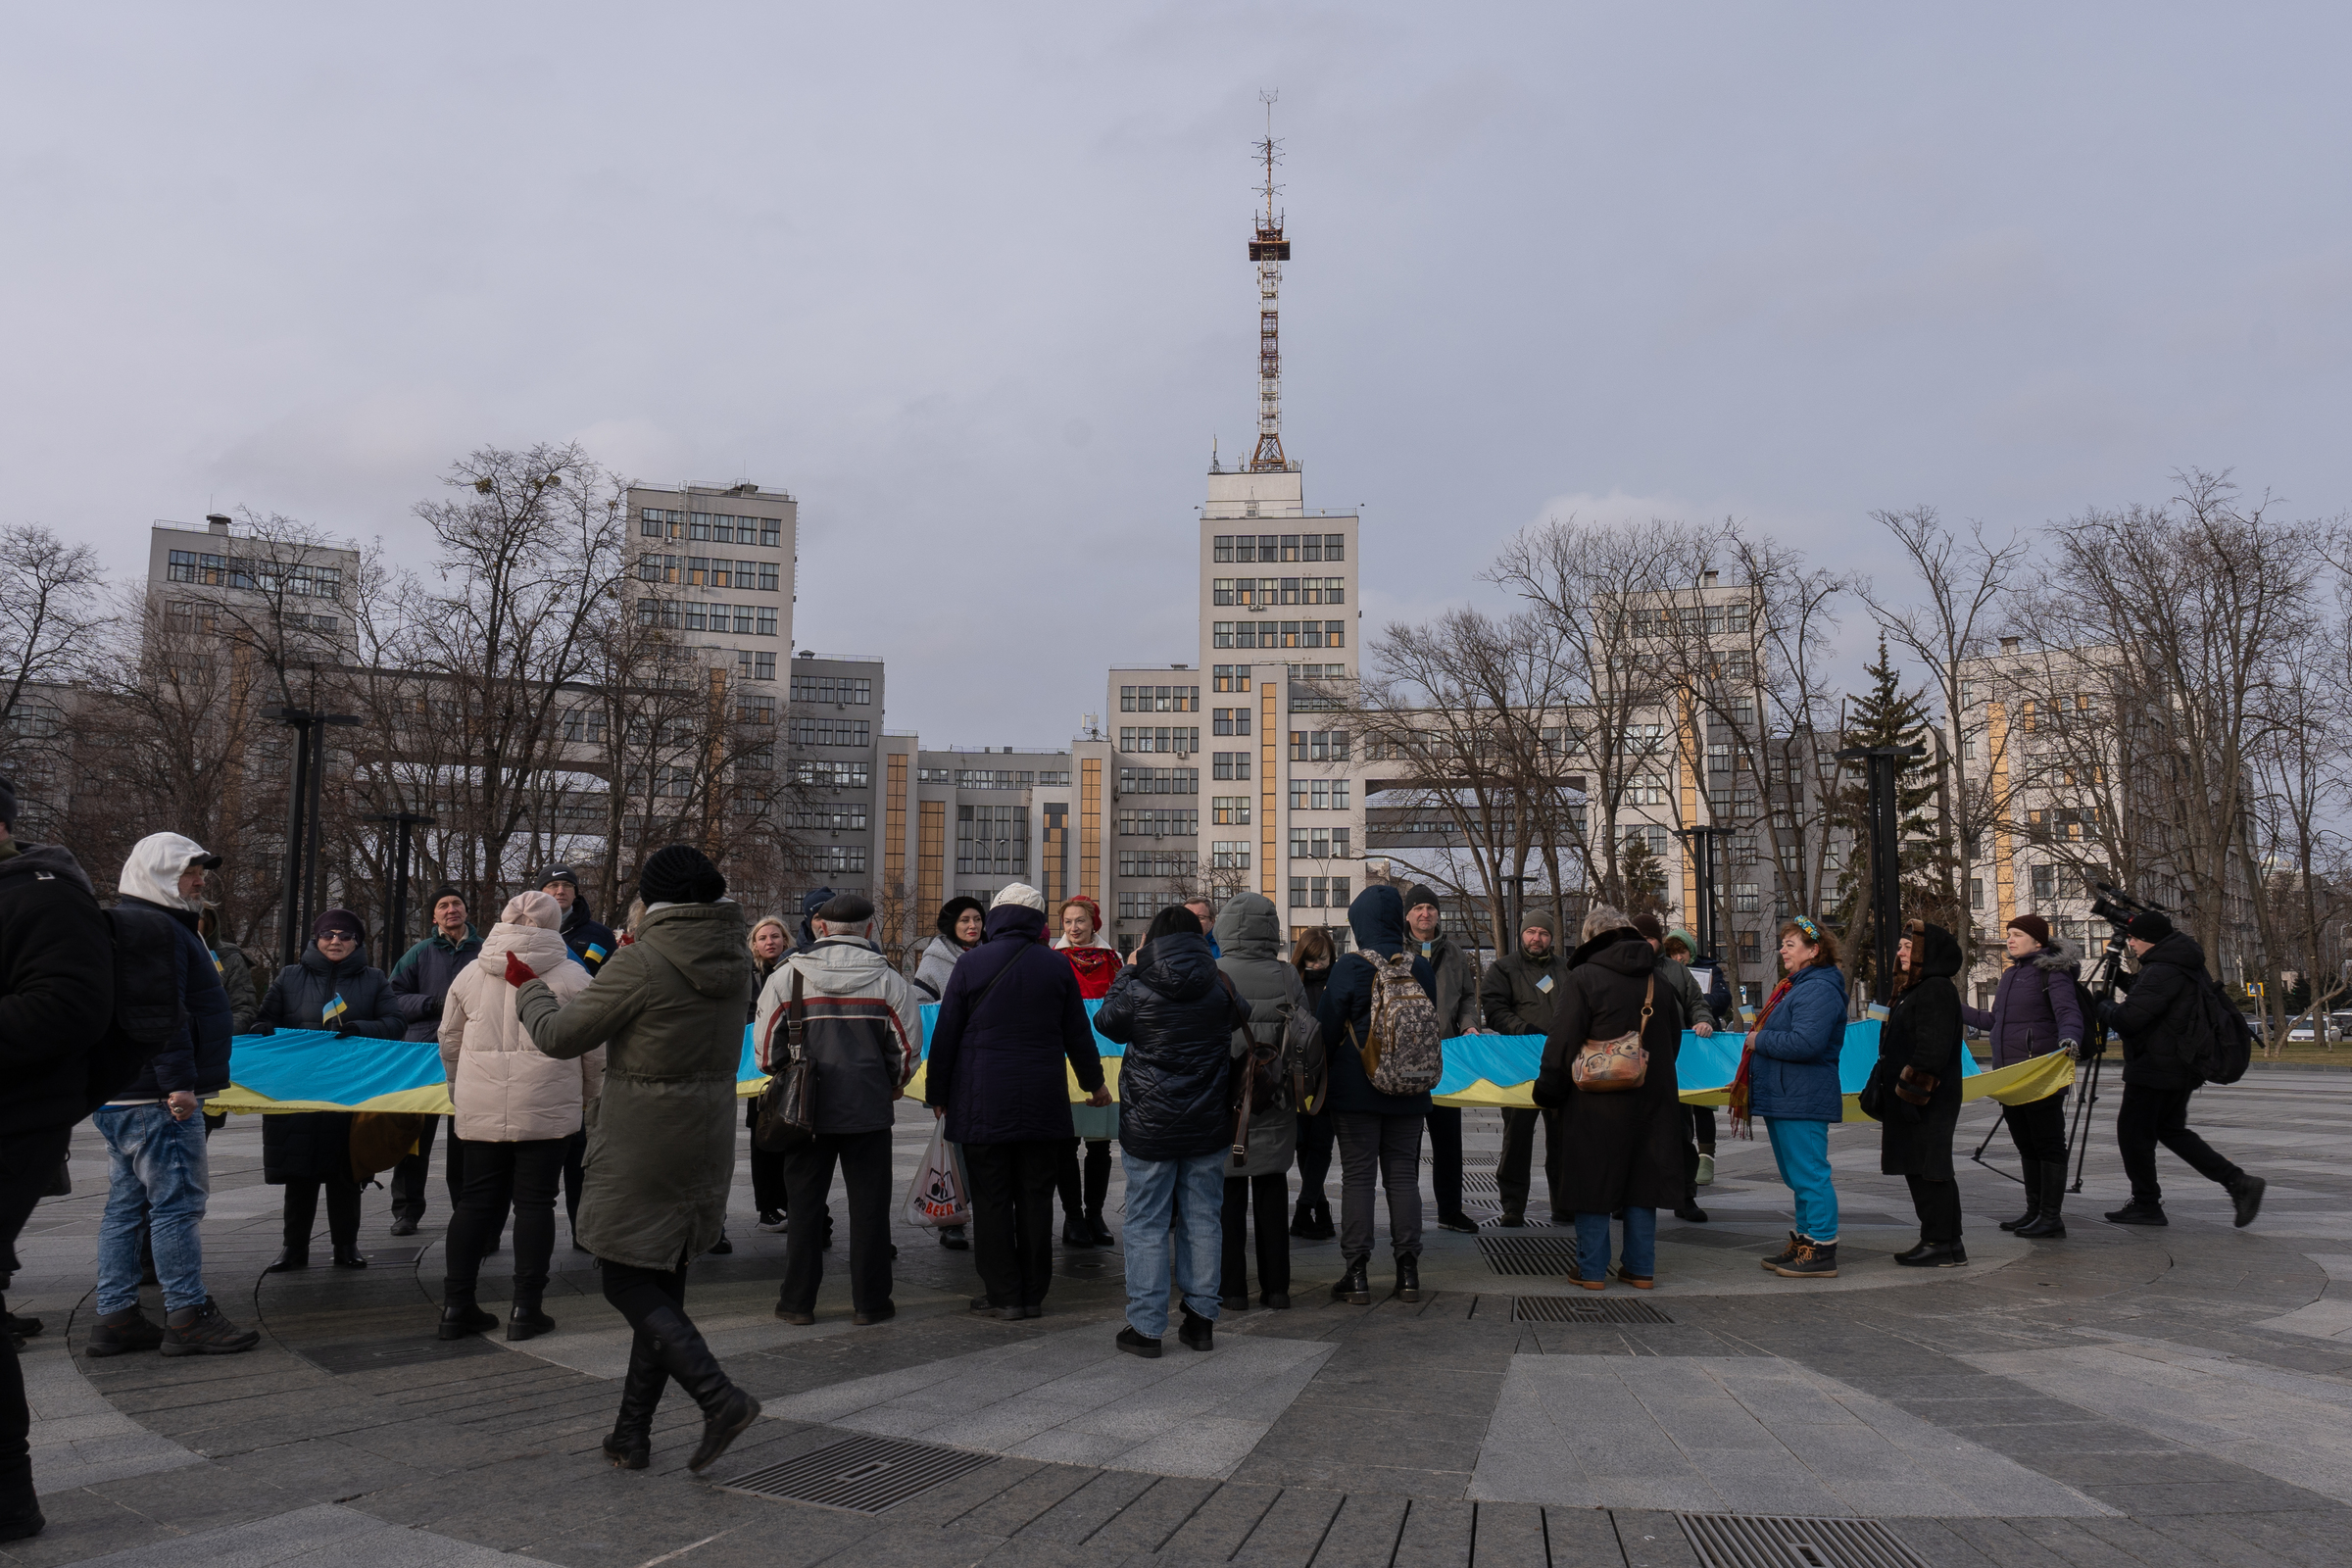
(335, 1008)
(597, 952)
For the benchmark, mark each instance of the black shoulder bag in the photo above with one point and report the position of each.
(787, 1118)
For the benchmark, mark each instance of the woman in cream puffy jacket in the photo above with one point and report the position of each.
(515, 1108)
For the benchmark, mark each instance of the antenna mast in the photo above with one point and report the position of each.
(1269, 250)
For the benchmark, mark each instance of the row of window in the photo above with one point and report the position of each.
(1279, 633)
(708, 571)
(832, 732)
(835, 858)
(1158, 780)
(1319, 892)
(744, 621)
(1711, 620)
(855, 691)
(823, 774)
(189, 614)
(755, 666)
(1154, 863)
(991, 778)
(1318, 844)
(846, 816)
(1229, 677)
(1318, 746)
(1264, 593)
(1229, 854)
(1159, 823)
(753, 708)
(1229, 810)
(719, 527)
(1159, 699)
(992, 838)
(1229, 764)
(258, 576)
(1318, 795)
(1230, 721)
(1165, 738)
(1278, 546)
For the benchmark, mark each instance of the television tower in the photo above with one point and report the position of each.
(1269, 250)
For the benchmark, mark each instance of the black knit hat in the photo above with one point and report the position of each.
(949, 912)
(1418, 895)
(680, 873)
(2149, 926)
(444, 891)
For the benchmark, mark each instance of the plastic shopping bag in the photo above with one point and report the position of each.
(939, 1196)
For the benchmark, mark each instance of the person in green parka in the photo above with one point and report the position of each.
(669, 1008)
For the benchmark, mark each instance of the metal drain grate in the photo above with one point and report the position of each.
(1479, 1182)
(1589, 1309)
(1782, 1541)
(864, 1474)
(1529, 1254)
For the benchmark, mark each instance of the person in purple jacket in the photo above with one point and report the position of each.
(2034, 1013)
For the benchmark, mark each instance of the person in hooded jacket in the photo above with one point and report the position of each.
(159, 1179)
(1176, 1014)
(1096, 963)
(1519, 995)
(668, 1010)
(1458, 1014)
(516, 1110)
(1788, 1080)
(421, 982)
(333, 988)
(960, 922)
(590, 943)
(1920, 1040)
(1312, 956)
(772, 946)
(1624, 1147)
(1379, 1135)
(2035, 1011)
(1250, 947)
(1009, 1022)
(2165, 1032)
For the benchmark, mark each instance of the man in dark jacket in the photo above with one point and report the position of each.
(1379, 1135)
(420, 985)
(1458, 1014)
(1518, 994)
(159, 1178)
(2034, 1011)
(590, 943)
(2165, 1034)
(1009, 1019)
(57, 994)
(1674, 974)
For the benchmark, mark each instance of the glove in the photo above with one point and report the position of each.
(432, 1007)
(517, 971)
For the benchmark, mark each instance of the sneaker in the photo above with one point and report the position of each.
(773, 1221)
(1135, 1344)
(2246, 1193)
(121, 1333)
(201, 1330)
(1198, 1332)
(1786, 1254)
(1814, 1261)
(1513, 1217)
(953, 1239)
(1706, 1171)
(2137, 1213)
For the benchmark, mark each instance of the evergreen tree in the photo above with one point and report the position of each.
(1887, 716)
(1641, 876)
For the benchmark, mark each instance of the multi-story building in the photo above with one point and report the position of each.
(204, 579)
(714, 564)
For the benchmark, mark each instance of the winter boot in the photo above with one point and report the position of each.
(526, 1321)
(1098, 1191)
(1325, 1228)
(201, 1330)
(631, 1444)
(1927, 1254)
(1355, 1286)
(120, 1333)
(727, 1411)
(1706, 1168)
(1814, 1261)
(1074, 1232)
(1198, 1332)
(1784, 1255)
(459, 1316)
(2033, 1200)
(2049, 1225)
(1409, 1276)
(1134, 1343)
(2246, 1193)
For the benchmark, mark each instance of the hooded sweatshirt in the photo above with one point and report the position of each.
(1249, 954)
(196, 1058)
(1176, 1016)
(1377, 918)
(505, 1090)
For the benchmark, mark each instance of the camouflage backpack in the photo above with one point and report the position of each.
(1401, 1050)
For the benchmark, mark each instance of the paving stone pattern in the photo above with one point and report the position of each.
(2168, 1396)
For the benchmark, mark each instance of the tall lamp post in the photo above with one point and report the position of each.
(396, 923)
(1702, 859)
(1885, 764)
(299, 891)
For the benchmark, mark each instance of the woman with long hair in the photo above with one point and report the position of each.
(771, 940)
(1312, 956)
(1096, 965)
(1788, 1080)
(1920, 1042)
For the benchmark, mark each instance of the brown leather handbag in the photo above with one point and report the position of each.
(1609, 1066)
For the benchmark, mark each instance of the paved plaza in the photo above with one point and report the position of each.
(2170, 1396)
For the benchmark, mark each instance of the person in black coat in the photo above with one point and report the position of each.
(420, 981)
(1009, 1019)
(334, 986)
(1176, 1014)
(2164, 1033)
(590, 942)
(1312, 956)
(1920, 1042)
(1622, 1149)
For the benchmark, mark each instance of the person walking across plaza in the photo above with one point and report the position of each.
(333, 988)
(1176, 1014)
(1009, 1022)
(1379, 1134)
(1520, 996)
(159, 1180)
(862, 1033)
(770, 945)
(668, 1009)
(2036, 1010)
(1458, 1014)
(2167, 1031)
(1312, 956)
(421, 983)
(516, 1108)
(1624, 1144)
(1250, 941)
(1788, 1081)
(1920, 1043)
(1096, 963)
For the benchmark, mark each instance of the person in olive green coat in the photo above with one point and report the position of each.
(669, 1008)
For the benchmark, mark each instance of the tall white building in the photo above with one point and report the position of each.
(714, 564)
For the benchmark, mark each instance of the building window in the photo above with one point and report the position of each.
(1229, 764)
(752, 709)
(828, 732)
(1231, 678)
(1159, 823)
(991, 840)
(2045, 885)
(1155, 863)
(1975, 892)
(1230, 721)
(1318, 795)
(1147, 780)
(1221, 548)
(836, 689)
(820, 774)
(767, 623)
(1229, 854)
(1744, 898)
(1229, 810)
(1159, 699)
(1750, 945)
(1179, 737)
(1318, 746)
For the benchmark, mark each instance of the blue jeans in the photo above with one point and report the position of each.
(159, 1179)
(1801, 1149)
(1196, 1185)
(1641, 1255)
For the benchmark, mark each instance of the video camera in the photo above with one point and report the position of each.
(2116, 906)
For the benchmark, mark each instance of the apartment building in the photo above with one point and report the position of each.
(715, 564)
(216, 578)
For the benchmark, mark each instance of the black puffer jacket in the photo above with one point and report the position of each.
(315, 1145)
(1624, 1148)
(56, 987)
(1176, 1016)
(2162, 1019)
(1922, 1032)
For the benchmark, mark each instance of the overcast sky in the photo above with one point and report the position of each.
(970, 281)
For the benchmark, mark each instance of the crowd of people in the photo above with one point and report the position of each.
(602, 1067)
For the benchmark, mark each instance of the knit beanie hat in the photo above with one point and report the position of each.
(680, 873)
(338, 919)
(560, 873)
(2032, 925)
(444, 891)
(1418, 895)
(1650, 926)
(1022, 894)
(2149, 926)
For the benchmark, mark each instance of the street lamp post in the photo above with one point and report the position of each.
(1885, 764)
(299, 887)
(396, 923)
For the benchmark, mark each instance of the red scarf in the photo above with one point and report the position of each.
(1097, 968)
(1741, 1119)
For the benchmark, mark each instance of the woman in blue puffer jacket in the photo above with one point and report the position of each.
(1788, 1075)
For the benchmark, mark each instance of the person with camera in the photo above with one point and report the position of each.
(2035, 1011)
(2165, 1025)
(1919, 1062)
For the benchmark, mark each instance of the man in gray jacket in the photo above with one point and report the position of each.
(1458, 1014)
(1517, 994)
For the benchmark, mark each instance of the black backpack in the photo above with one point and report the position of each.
(2228, 1044)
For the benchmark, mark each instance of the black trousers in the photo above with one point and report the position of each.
(575, 1175)
(409, 1177)
(1082, 1193)
(27, 1163)
(342, 1213)
(1316, 1139)
(523, 1175)
(1270, 1195)
(2152, 1117)
(1512, 1170)
(1445, 1158)
(1012, 1216)
(769, 1194)
(636, 1293)
(453, 1172)
(1702, 1127)
(1937, 1204)
(2038, 1129)
(864, 1159)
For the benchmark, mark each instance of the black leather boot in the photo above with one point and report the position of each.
(1408, 1276)
(526, 1321)
(1355, 1286)
(459, 1316)
(631, 1444)
(2033, 1174)
(2048, 1225)
(727, 1411)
